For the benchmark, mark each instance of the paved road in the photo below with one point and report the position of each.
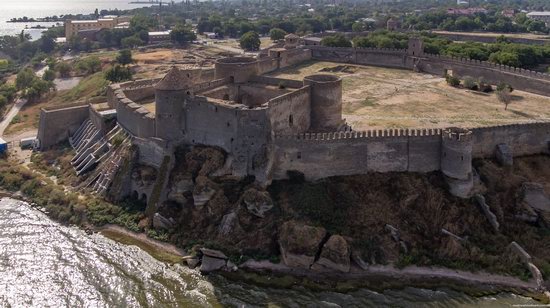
(19, 103)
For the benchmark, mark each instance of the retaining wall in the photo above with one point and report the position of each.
(56, 125)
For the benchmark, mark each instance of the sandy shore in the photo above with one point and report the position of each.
(114, 230)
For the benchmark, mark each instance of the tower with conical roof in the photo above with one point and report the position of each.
(170, 96)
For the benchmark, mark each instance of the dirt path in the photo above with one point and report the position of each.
(11, 114)
(416, 273)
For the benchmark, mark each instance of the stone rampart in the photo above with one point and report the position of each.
(291, 112)
(205, 86)
(521, 79)
(294, 56)
(523, 139)
(267, 65)
(320, 155)
(56, 125)
(134, 118)
(151, 151)
(274, 81)
(386, 57)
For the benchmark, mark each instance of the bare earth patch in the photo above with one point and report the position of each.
(377, 97)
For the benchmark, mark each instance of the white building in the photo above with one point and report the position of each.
(542, 16)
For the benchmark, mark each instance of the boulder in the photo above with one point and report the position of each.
(335, 255)
(534, 196)
(227, 224)
(356, 257)
(504, 155)
(192, 262)
(179, 188)
(212, 260)
(203, 192)
(213, 253)
(161, 222)
(257, 202)
(210, 264)
(299, 243)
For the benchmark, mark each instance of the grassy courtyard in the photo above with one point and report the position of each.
(392, 98)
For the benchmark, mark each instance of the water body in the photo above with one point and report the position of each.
(44, 264)
(42, 8)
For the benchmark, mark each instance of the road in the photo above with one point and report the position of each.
(19, 103)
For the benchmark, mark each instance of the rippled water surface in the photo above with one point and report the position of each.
(44, 264)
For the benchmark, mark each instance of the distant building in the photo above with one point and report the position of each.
(462, 2)
(393, 24)
(508, 13)
(312, 41)
(541, 16)
(73, 27)
(159, 37)
(467, 12)
(210, 35)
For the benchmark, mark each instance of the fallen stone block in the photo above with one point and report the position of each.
(487, 211)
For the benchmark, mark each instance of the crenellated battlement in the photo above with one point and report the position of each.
(491, 65)
(369, 134)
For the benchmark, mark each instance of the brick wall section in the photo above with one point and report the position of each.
(291, 112)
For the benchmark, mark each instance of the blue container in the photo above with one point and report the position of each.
(3, 146)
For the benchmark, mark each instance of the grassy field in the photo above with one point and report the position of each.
(29, 115)
(392, 98)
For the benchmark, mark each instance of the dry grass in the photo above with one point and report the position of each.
(392, 98)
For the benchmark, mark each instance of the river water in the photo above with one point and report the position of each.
(44, 264)
(43, 8)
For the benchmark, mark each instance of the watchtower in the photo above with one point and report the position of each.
(416, 47)
(456, 160)
(170, 95)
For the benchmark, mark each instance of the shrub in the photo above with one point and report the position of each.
(483, 86)
(504, 97)
(337, 40)
(118, 73)
(452, 81)
(470, 83)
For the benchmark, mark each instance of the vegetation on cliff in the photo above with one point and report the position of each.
(353, 213)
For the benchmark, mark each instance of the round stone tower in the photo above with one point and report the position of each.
(456, 160)
(238, 69)
(326, 101)
(170, 95)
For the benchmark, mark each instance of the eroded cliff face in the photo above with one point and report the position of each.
(340, 222)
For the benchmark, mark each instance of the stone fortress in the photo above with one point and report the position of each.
(269, 126)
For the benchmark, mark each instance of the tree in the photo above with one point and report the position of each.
(24, 78)
(118, 73)
(64, 69)
(505, 58)
(89, 65)
(250, 41)
(124, 57)
(277, 34)
(131, 42)
(337, 40)
(47, 43)
(182, 34)
(504, 96)
(49, 75)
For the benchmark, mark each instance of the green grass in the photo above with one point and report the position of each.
(91, 86)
